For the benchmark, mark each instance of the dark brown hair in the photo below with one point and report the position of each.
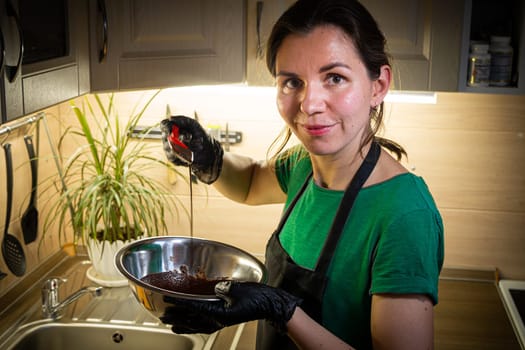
(359, 25)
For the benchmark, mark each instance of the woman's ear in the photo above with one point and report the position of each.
(381, 85)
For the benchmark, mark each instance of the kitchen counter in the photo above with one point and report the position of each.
(469, 315)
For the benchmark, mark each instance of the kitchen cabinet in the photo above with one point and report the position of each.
(261, 16)
(484, 18)
(162, 43)
(423, 36)
(47, 54)
(11, 100)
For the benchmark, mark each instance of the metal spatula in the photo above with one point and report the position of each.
(29, 219)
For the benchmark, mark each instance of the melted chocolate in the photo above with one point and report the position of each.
(183, 282)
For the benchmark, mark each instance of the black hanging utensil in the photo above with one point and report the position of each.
(11, 248)
(29, 219)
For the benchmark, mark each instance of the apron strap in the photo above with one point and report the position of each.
(288, 211)
(345, 207)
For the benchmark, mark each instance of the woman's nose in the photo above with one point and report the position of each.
(312, 99)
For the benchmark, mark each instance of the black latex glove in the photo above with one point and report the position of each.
(241, 302)
(207, 152)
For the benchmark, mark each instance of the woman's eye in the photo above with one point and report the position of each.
(292, 83)
(335, 79)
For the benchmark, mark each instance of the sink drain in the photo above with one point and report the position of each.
(117, 337)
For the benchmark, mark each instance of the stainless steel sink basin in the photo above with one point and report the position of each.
(113, 320)
(99, 336)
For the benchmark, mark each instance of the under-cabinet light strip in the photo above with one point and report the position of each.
(411, 97)
(416, 97)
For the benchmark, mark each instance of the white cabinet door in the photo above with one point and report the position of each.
(261, 17)
(424, 39)
(407, 25)
(162, 43)
(423, 36)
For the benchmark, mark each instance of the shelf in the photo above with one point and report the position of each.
(484, 18)
(509, 90)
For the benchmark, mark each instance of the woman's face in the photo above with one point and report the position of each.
(324, 91)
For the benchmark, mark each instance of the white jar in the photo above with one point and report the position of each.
(479, 65)
(501, 61)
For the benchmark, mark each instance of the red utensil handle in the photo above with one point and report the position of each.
(174, 137)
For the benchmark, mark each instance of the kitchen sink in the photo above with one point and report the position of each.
(100, 336)
(111, 320)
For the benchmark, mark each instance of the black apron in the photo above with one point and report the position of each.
(301, 282)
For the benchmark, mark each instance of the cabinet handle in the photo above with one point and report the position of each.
(2, 53)
(260, 6)
(103, 53)
(12, 71)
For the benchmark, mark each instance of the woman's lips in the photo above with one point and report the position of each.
(317, 130)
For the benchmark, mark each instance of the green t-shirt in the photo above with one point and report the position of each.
(392, 243)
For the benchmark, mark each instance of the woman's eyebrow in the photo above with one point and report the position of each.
(285, 73)
(323, 69)
(332, 66)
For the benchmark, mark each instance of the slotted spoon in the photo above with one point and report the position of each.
(11, 248)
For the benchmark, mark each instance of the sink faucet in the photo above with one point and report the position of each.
(51, 307)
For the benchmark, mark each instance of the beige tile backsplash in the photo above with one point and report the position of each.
(469, 148)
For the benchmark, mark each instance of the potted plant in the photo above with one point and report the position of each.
(108, 193)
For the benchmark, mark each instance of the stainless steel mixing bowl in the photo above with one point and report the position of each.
(168, 253)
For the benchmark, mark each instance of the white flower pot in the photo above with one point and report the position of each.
(103, 270)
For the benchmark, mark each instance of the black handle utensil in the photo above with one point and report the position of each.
(29, 219)
(11, 248)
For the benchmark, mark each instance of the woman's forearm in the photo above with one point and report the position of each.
(309, 335)
(236, 176)
(247, 181)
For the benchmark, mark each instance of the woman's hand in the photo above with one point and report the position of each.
(240, 302)
(207, 152)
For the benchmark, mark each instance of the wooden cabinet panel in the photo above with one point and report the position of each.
(168, 43)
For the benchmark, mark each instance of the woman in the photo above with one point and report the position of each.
(355, 260)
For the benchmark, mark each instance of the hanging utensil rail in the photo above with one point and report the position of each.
(26, 121)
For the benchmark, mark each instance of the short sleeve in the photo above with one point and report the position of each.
(409, 255)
